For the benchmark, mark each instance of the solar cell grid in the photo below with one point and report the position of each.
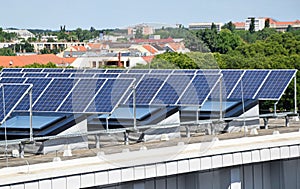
(54, 94)
(198, 90)
(12, 74)
(94, 71)
(82, 75)
(275, 84)
(35, 75)
(51, 75)
(171, 90)
(27, 70)
(12, 94)
(73, 70)
(147, 88)
(161, 71)
(12, 80)
(138, 71)
(11, 70)
(81, 95)
(110, 95)
(53, 70)
(250, 83)
(106, 75)
(39, 85)
(116, 71)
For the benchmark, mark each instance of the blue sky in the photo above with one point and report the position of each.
(100, 14)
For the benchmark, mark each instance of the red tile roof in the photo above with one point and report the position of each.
(150, 48)
(168, 40)
(239, 24)
(148, 59)
(79, 48)
(7, 61)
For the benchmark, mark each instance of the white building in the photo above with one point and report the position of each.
(204, 25)
(25, 34)
(259, 23)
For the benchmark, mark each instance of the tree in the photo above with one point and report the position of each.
(139, 33)
(230, 26)
(213, 26)
(252, 25)
(267, 23)
(289, 28)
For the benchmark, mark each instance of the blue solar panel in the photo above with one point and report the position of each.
(147, 88)
(198, 91)
(12, 74)
(95, 71)
(208, 71)
(105, 75)
(12, 94)
(172, 89)
(82, 75)
(184, 71)
(52, 70)
(138, 71)
(59, 75)
(11, 70)
(81, 95)
(39, 85)
(161, 71)
(12, 80)
(115, 71)
(35, 75)
(275, 84)
(29, 70)
(229, 80)
(110, 95)
(55, 93)
(73, 71)
(250, 83)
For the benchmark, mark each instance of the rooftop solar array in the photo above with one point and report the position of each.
(10, 96)
(94, 90)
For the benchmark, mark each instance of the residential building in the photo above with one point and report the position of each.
(239, 25)
(283, 26)
(204, 25)
(259, 23)
(145, 29)
(13, 61)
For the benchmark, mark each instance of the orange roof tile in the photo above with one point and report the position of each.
(239, 24)
(79, 48)
(148, 58)
(150, 48)
(7, 61)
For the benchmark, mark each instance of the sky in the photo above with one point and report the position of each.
(104, 14)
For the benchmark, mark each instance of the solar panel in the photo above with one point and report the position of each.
(27, 70)
(13, 94)
(81, 95)
(229, 80)
(73, 70)
(250, 82)
(199, 89)
(12, 80)
(53, 70)
(54, 94)
(35, 75)
(82, 75)
(110, 95)
(39, 85)
(184, 71)
(116, 71)
(147, 88)
(12, 74)
(138, 71)
(208, 71)
(105, 75)
(161, 71)
(275, 84)
(94, 71)
(50, 75)
(171, 90)
(11, 70)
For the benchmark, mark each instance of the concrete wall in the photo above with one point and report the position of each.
(282, 174)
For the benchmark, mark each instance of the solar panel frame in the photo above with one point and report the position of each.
(293, 73)
(27, 88)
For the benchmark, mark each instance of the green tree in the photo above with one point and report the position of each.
(252, 25)
(267, 23)
(230, 26)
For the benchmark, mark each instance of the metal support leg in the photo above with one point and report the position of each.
(97, 141)
(126, 138)
(21, 150)
(266, 123)
(287, 121)
(188, 132)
